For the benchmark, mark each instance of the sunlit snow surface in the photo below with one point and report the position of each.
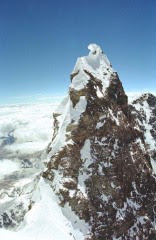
(97, 64)
(44, 221)
(25, 131)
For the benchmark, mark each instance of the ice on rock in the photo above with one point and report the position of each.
(97, 64)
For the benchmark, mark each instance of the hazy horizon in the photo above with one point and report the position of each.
(40, 42)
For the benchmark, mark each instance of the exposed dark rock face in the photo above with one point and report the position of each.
(143, 111)
(99, 164)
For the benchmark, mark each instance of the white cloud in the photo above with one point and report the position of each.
(7, 167)
(36, 99)
(25, 129)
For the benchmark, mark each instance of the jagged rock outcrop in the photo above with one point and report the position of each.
(144, 113)
(99, 166)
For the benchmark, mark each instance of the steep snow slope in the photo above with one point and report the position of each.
(45, 220)
(98, 182)
(98, 161)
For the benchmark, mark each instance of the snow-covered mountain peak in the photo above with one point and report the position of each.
(98, 182)
(96, 64)
(98, 155)
(96, 58)
(94, 48)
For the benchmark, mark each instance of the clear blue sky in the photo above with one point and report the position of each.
(40, 41)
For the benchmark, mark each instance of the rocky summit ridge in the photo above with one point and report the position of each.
(99, 181)
(99, 160)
